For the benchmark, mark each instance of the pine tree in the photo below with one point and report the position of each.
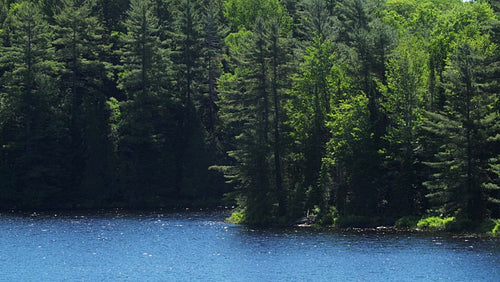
(461, 165)
(279, 57)
(111, 14)
(213, 33)
(78, 41)
(491, 72)
(146, 128)
(317, 21)
(253, 155)
(191, 162)
(34, 138)
(251, 101)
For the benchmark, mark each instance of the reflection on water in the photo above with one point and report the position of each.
(200, 246)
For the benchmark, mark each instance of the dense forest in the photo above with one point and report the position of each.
(333, 109)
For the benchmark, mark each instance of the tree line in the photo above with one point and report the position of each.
(335, 108)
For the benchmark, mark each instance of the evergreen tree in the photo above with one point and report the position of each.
(111, 13)
(190, 160)
(279, 57)
(252, 152)
(33, 132)
(146, 128)
(213, 32)
(78, 42)
(252, 99)
(316, 20)
(461, 165)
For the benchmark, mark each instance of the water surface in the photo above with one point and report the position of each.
(201, 246)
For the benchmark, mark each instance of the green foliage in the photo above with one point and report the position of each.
(351, 157)
(407, 222)
(353, 109)
(244, 13)
(404, 100)
(435, 223)
(496, 230)
(465, 128)
(317, 85)
(251, 100)
(452, 224)
(34, 140)
(328, 218)
(484, 227)
(236, 217)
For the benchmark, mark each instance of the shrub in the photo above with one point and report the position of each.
(328, 218)
(496, 230)
(236, 217)
(435, 223)
(407, 222)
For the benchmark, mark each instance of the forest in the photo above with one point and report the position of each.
(347, 112)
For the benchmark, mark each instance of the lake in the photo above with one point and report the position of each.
(200, 246)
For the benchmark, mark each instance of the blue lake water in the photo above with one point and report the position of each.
(202, 247)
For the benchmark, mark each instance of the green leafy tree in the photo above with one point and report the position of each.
(370, 39)
(365, 41)
(348, 167)
(315, 87)
(404, 101)
(456, 22)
